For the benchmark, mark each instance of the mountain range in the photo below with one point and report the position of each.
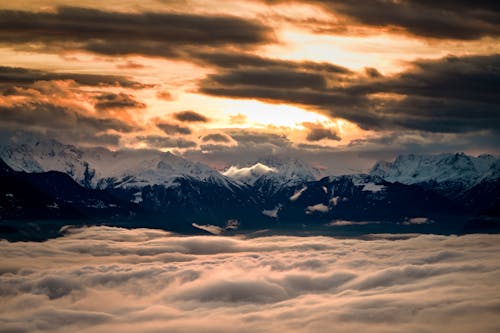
(46, 184)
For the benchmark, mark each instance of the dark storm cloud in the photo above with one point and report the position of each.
(285, 79)
(113, 33)
(454, 94)
(442, 115)
(51, 116)
(252, 138)
(156, 141)
(448, 95)
(465, 20)
(107, 101)
(173, 129)
(321, 133)
(23, 76)
(297, 82)
(92, 138)
(190, 116)
(372, 72)
(244, 60)
(216, 137)
(339, 98)
(473, 78)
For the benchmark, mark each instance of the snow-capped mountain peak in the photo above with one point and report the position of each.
(100, 167)
(273, 173)
(443, 168)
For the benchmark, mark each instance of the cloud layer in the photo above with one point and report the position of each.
(448, 95)
(112, 33)
(431, 19)
(332, 82)
(104, 279)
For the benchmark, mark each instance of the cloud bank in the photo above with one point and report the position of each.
(104, 279)
(448, 95)
(170, 35)
(461, 20)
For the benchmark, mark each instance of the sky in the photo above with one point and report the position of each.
(339, 84)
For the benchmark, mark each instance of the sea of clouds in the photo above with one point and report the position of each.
(103, 279)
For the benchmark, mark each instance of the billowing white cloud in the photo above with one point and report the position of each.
(248, 174)
(103, 279)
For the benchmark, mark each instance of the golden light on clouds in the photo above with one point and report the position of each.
(388, 52)
(266, 66)
(258, 118)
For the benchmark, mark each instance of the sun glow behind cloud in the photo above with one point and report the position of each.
(389, 52)
(260, 114)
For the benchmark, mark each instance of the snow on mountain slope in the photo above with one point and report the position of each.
(32, 153)
(138, 168)
(100, 167)
(443, 168)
